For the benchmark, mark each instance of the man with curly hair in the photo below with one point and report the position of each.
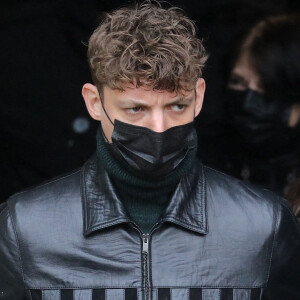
(143, 218)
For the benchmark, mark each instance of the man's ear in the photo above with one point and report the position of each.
(200, 89)
(92, 100)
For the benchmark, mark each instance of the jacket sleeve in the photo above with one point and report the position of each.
(11, 280)
(284, 277)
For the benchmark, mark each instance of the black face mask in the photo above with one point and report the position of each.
(261, 123)
(148, 153)
(152, 154)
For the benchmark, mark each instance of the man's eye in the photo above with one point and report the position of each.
(178, 107)
(134, 110)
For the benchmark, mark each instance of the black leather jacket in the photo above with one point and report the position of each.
(218, 239)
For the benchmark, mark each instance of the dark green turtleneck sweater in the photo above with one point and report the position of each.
(145, 199)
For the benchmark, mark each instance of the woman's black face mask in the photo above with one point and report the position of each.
(261, 123)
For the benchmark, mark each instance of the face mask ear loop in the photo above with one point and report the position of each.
(106, 112)
(101, 100)
(106, 116)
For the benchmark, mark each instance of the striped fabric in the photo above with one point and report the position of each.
(206, 294)
(157, 294)
(87, 294)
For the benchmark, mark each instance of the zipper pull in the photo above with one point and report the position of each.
(145, 243)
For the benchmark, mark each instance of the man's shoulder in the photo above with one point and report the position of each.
(44, 208)
(227, 190)
(243, 208)
(62, 188)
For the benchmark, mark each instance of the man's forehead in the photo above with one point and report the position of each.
(145, 90)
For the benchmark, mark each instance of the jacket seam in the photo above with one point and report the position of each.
(273, 245)
(18, 247)
(153, 287)
(81, 287)
(5, 208)
(46, 183)
(83, 193)
(204, 199)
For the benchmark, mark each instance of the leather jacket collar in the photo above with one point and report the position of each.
(102, 207)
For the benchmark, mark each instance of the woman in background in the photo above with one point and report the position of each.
(263, 101)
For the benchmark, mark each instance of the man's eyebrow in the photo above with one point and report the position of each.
(140, 103)
(133, 102)
(182, 101)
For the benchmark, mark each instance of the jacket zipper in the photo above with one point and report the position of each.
(145, 251)
(145, 238)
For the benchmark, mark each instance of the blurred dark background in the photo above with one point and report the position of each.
(45, 128)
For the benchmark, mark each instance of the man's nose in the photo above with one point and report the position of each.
(158, 122)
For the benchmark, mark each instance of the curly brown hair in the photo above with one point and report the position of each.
(146, 45)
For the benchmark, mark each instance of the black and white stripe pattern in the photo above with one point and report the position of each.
(86, 294)
(157, 294)
(207, 294)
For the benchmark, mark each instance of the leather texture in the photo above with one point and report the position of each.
(218, 239)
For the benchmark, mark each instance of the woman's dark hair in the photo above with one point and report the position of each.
(273, 45)
(293, 195)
